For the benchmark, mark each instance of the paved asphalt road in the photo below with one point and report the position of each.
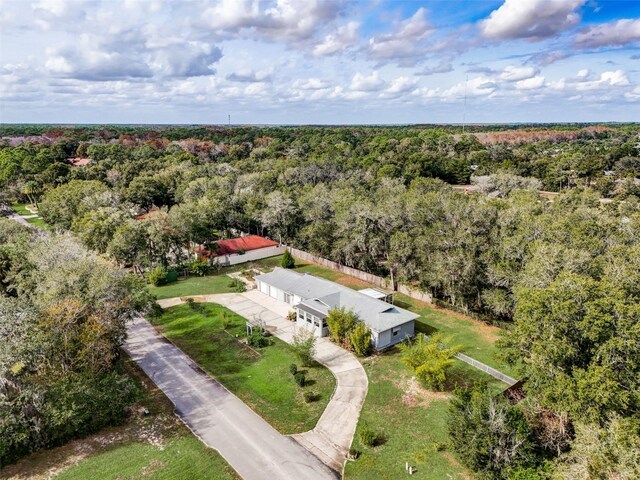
(252, 446)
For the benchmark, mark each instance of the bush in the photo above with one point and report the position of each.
(367, 436)
(287, 260)
(226, 321)
(429, 359)
(237, 285)
(310, 397)
(341, 322)
(300, 379)
(158, 276)
(304, 346)
(257, 339)
(196, 267)
(360, 338)
(293, 368)
(196, 307)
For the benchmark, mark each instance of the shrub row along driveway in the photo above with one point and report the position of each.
(331, 438)
(252, 446)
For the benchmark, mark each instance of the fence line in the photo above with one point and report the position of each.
(359, 274)
(487, 369)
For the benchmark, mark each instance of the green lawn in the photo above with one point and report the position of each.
(20, 209)
(38, 222)
(157, 446)
(411, 422)
(260, 378)
(218, 283)
(193, 286)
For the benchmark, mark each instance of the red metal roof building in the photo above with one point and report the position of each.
(236, 245)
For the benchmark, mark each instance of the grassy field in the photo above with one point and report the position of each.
(261, 378)
(21, 209)
(218, 283)
(157, 446)
(38, 222)
(410, 421)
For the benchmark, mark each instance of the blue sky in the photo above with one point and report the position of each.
(319, 62)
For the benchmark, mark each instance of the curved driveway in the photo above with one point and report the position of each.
(219, 418)
(331, 438)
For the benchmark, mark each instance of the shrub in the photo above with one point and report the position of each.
(353, 453)
(158, 276)
(367, 436)
(310, 397)
(196, 307)
(293, 368)
(287, 260)
(340, 322)
(237, 285)
(257, 339)
(226, 321)
(430, 359)
(360, 338)
(196, 267)
(304, 346)
(300, 379)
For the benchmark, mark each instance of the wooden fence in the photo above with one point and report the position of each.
(359, 274)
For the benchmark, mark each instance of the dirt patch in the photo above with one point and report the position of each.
(453, 461)
(417, 396)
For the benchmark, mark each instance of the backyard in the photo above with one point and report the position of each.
(156, 445)
(259, 376)
(410, 423)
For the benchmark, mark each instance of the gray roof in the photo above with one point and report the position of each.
(323, 295)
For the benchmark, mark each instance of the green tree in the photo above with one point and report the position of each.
(490, 436)
(610, 452)
(304, 346)
(287, 260)
(340, 323)
(429, 359)
(360, 339)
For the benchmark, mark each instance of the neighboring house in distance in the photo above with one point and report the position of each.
(241, 250)
(79, 162)
(313, 297)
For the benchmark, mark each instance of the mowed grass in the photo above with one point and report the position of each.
(156, 446)
(210, 284)
(193, 286)
(260, 377)
(477, 338)
(21, 209)
(38, 222)
(410, 421)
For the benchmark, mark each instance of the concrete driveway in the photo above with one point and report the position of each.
(331, 438)
(221, 420)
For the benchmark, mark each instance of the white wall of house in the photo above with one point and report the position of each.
(392, 336)
(311, 323)
(251, 255)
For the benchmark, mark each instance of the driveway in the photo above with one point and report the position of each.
(220, 419)
(331, 438)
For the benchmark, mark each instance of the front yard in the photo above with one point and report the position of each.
(259, 377)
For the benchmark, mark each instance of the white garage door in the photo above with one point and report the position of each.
(273, 292)
(264, 288)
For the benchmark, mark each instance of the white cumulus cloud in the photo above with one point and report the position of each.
(617, 33)
(531, 19)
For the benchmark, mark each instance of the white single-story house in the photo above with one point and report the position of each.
(312, 298)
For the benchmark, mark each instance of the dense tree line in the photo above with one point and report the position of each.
(62, 322)
(564, 275)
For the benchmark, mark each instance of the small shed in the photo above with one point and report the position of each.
(378, 294)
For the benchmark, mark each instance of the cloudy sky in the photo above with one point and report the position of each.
(316, 61)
